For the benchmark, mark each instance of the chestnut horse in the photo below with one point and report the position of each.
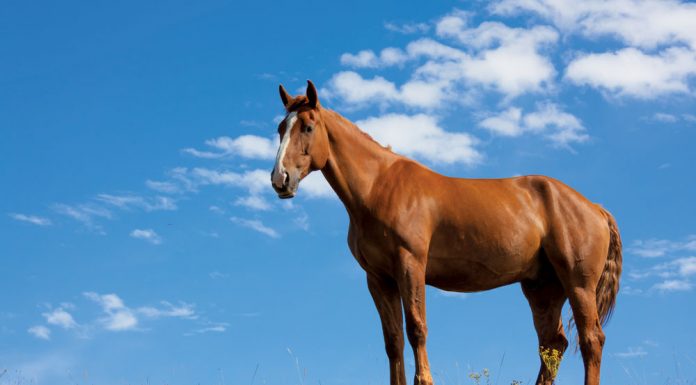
(410, 226)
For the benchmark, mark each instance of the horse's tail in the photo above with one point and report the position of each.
(608, 286)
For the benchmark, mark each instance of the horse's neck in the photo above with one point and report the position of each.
(355, 161)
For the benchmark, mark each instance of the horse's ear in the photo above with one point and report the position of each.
(285, 97)
(312, 97)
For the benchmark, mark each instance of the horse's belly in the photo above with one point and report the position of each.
(460, 265)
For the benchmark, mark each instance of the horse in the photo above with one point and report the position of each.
(410, 226)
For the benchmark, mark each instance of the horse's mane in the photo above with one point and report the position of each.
(347, 122)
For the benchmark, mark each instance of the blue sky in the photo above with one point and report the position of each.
(142, 242)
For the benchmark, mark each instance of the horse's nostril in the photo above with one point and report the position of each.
(286, 177)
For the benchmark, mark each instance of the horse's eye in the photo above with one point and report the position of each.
(308, 128)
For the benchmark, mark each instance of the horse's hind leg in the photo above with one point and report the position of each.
(546, 299)
(579, 262)
(591, 337)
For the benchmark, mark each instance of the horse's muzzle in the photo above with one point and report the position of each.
(282, 185)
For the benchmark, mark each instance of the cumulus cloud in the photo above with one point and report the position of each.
(631, 72)
(660, 57)
(651, 248)
(368, 59)
(494, 57)
(422, 137)
(509, 60)
(407, 28)
(640, 23)
(255, 182)
(548, 120)
(147, 235)
(117, 317)
(60, 317)
(673, 285)
(33, 219)
(676, 273)
(355, 90)
(255, 225)
(246, 146)
(40, 332)
(315, 185)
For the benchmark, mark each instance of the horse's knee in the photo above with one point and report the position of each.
(561, 343)
(592, 343)
(417, 333)
(394, 345)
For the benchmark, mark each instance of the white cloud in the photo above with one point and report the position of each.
(163, 187)
(246, 146)
(673, 285)
(685, 266)
(407, 28)
(495, 57)
(84, 213)
(661, 36)
(33, 219)
(665, 118)
(652, 248)
(507, 123)
(183, 310)
(127, 202)
(256, 182)
(211, 327)
(255, 225)
(421, 136)
(548, 120)
(506, 59)
(60, 317)
(632, 353)
(679, 268)
(315, 185)
(353, 89)
(560, 127)
(216, 209)
(368, 59)
(40, 332)
(675, 274)
(117, 317)
(631, 72)
(218, 275)
(147, 235)
(641, 23)
(254, 202)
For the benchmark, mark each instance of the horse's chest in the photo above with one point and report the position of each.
(373, 248)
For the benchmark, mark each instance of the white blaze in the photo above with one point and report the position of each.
(279, 171)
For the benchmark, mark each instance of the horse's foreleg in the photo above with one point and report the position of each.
(385, 293)
(411, 282)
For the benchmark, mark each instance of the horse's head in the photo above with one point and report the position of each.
(304, 142)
